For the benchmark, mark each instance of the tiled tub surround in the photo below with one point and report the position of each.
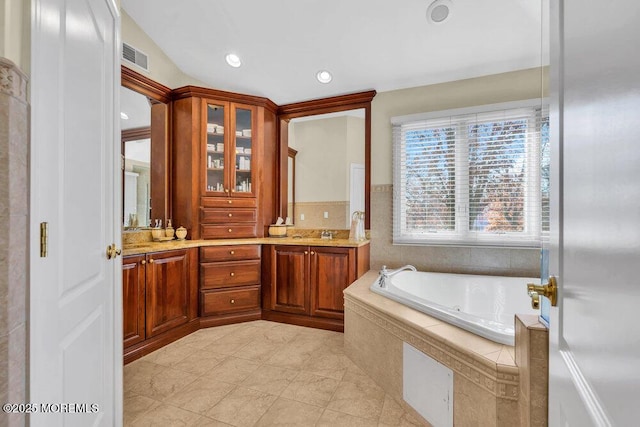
(14, 213)
(256, 374)
(442, 259)
(486, 378)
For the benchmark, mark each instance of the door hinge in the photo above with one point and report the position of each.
(44, 239)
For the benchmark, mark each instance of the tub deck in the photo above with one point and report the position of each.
(485, 372)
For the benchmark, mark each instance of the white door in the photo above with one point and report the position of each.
(595, 333)
(75, 292)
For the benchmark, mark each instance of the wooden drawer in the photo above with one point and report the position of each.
(233, 231)
(225, 216)
(227, 202)
(229, 253)
(229, 301)
(225, 274)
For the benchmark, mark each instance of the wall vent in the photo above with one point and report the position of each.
(136, 57)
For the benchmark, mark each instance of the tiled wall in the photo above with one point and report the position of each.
(314, 215)
(14, 193)
(492, 261)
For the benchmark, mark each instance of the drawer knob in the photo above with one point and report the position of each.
(151, 261)
(230, 215)
(313, 253)
(306, 252)
(233, 274)
(229, 202)
(232, 252)
(232, 301)
(143, 262)
(229, 230)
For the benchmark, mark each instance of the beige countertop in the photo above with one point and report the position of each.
(148, 247)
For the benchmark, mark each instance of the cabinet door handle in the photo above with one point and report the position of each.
(151, 261)
(232, 274)
(306, 252)
(143, 262)
(232, 252)
(233, 190)
(230, 230)
(313, 253)
(232, 301)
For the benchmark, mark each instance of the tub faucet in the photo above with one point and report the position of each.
(386, 273)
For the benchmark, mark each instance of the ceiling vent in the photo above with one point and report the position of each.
(136, 57)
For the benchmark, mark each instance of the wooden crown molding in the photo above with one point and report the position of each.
(144, 85)
(202, 92)
(326, 105)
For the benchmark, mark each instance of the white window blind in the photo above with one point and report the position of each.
(472, 176)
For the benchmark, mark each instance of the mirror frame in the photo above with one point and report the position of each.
(160, 129)
(323, 106)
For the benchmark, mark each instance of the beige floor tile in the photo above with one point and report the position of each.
(201, 395)
(167, 416)
(270, 379)
(310, 388)
(138, 373)
(233, 341)
(200, 362)
(232, 370)
(259, 350)
(242, 407)
(338, 419)
(170, 355)
(136, 406)
(393, 414)
(295, 355)
(328, 364)
(205, 337)
(285, 412)
(163, 384)
(358, 398)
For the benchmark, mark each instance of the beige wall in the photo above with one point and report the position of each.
(15, 32)
(161, 68)
(513, 86)
(518, 85)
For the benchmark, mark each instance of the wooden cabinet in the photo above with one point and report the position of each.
(303, 284)
(159, 299)
(224, 168)
(133, 299)
(229, 284)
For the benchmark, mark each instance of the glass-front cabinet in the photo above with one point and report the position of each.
(229, 159)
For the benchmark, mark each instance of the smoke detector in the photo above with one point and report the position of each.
(439, 11)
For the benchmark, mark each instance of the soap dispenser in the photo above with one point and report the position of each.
(169, 231)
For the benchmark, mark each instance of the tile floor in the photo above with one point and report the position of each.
(256, 374)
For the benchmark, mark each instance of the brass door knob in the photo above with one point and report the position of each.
(549, 290)
(112, 251)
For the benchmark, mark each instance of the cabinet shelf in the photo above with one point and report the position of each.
(244, 154)
(215, 152)
(215, 169)
(243, 170)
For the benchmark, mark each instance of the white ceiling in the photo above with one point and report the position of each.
(366, 44)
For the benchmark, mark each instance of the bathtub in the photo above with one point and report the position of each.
(484, 305)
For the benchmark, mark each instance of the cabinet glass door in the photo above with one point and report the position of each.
(244, 151)
(215, 159)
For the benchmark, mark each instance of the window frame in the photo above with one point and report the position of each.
(462, 235)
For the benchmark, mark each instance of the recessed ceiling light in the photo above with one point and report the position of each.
(439, 11)
(124, 116)
(324, 76)
(233, 60)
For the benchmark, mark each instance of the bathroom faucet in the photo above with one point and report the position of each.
(385, 273)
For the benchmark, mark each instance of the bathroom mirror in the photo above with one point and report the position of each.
(331, 177)
(144, 121)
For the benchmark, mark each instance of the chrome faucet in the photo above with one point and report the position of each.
(386, 273)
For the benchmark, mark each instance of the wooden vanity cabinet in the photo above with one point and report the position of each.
(224, 163)
(303, 284)
(160, 300)
(229, 284)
